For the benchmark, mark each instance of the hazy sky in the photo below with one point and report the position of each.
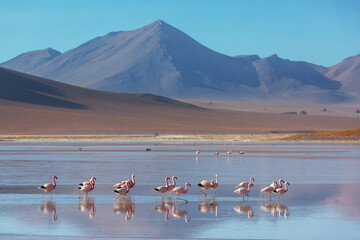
(322, 32)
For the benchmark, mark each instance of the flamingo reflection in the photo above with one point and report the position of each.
(126, 206)
(206, 206)
(49, 207)
(87, 205)
(276, 209)
(164, 207)
(241, 209)
(177, 213)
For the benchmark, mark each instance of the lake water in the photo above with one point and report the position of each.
(323, 201)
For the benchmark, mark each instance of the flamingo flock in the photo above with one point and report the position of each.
(123, 188)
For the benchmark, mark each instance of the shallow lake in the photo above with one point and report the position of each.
(323, 201)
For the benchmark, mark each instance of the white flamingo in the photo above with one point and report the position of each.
(245, 184)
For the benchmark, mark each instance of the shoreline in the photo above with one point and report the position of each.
(208, 138)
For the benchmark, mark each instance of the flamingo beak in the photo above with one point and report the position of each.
(289, 184)
(189, 184)
(237, 186)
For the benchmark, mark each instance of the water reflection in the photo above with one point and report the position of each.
(276, 209)
(49, 207)
(241, 209)
(164, 207)
(177, 213)
(87, 205)
(209, 205)
(125, 206)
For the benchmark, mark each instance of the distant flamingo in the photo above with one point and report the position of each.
(181, 190)
(123, 191)
(197, 152)
(87, 188)
(269, 189)
(171, 186)
(241, 152)
(243, 191)
(281, 191)
(162, 189)
(48, 187)
(228, 153)
(123, 183)
(215, 184)
(216, 153)
(205, 185)
(245, 184)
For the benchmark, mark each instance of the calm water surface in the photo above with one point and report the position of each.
(322, 202)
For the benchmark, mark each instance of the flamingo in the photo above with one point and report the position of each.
(245, 184)
(215, 184)
(87, 182)
(181, 190)
(241, 152)
(48, 187)
(276, 185)
(228, 153)
(205, 185)
(123, 183)
(197, 152)
(216, 153)
(87, 188)
(171, 186)
(243, 191)
(123, 191)
(281, 191)
(269, 189)
(162, 189)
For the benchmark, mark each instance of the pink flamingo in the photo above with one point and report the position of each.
(205, 185)
(123, 183)
(162, 189)
(281, 191)
(243, 191)
(269, 189)
(228, 153)
(87, 188)
(87, 182)
(181, 190)
(276, 185)
(215, 184)
(241, 152)
(197, 152)
(171, 186)
(48, 187)
(123, 191)
(216, 153)
(245, 184)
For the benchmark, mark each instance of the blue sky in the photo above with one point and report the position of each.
(319, 31)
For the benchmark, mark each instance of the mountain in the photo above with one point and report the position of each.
(26, 62)
(348, 73)
(34, 105)
(161, 59)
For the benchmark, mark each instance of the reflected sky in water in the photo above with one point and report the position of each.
(323, 201)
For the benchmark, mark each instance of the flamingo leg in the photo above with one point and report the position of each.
(86, 195)
(43, 195)
(51, 195)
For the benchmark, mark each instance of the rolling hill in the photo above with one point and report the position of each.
(161, 59)
(34, 105)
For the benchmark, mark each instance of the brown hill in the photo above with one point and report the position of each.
(348, 73)
(351, 134)
(33, 105)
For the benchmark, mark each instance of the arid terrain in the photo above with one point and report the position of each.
(35, 106)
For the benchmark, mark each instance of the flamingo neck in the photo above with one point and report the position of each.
(251, 180)
(186, 188)
(286, 188)
(173, 180)
(167, 182)
(216, 179)
(280, 185)
(133, 179)
(54, 182)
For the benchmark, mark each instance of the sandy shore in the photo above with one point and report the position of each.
(270, 137)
